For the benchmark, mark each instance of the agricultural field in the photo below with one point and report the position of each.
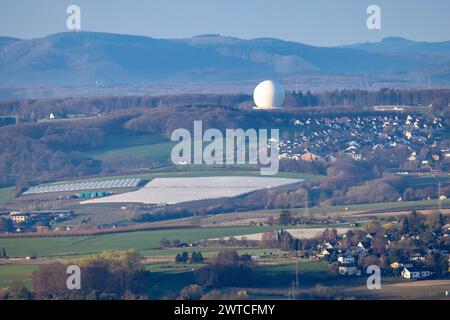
(169, 277)
(371, 209)
(110, 213)
(164, 266)
(6, 194)
(11, 273)
(152, 148)
(194, 172)
(404, 290)
(425, 181)
(300, 233)
(178, 190)
(310, 272)
(95, 213)
(146, 242)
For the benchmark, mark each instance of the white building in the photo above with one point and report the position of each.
(411, 273)
(346, 259)
(349, 271)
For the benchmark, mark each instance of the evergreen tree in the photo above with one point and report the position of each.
(405, 225)
(197, 257)
(184, 257)
(286, 217)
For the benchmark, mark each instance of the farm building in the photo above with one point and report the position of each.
(97, 194)
(87, 185)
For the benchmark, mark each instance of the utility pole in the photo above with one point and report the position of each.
(293, 288)
(306, 205)
(291, 295)
(293, 291)
(439, 190)
(439, 197)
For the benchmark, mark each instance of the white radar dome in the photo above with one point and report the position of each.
(268, 95)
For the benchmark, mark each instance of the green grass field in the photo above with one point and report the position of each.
(344, 210)
(147, 242)
(400, 205)
(151, 147)
(157, 149)
(176, 275)
(6, 194)
(170, 278)
(397, 288)
(421, 182)
(11, 273)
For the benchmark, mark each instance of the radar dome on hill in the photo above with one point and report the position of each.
(268, 95)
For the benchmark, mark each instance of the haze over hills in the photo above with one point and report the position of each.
(88, 58)
(401, 45)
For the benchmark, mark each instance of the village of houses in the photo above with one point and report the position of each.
(360, 136)
(408, 255)
(347, 261)
(420, 250)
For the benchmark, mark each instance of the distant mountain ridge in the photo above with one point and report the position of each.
(399, 45)
(88, 58)
(4, 41)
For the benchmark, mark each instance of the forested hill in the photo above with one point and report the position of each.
(27, 109)
(87, 59)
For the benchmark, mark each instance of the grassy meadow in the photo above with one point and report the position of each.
(146, 242)
(6, 194)
(11, 273)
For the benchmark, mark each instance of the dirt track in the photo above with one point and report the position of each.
(424, 283)
(299, 233)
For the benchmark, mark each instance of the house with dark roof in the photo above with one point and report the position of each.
(366, 245)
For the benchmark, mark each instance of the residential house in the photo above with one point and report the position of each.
(346, 259)
(417, 257)
(326, 252)
(413, 273)
(397, 265)
(308, 156)
(329, 244)
(19, 217)
(349, 270)
(366, 245)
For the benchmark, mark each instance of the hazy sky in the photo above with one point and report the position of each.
(317, 22)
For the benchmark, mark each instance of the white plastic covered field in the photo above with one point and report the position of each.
(177, 190)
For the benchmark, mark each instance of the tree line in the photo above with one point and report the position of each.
(31, 109)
